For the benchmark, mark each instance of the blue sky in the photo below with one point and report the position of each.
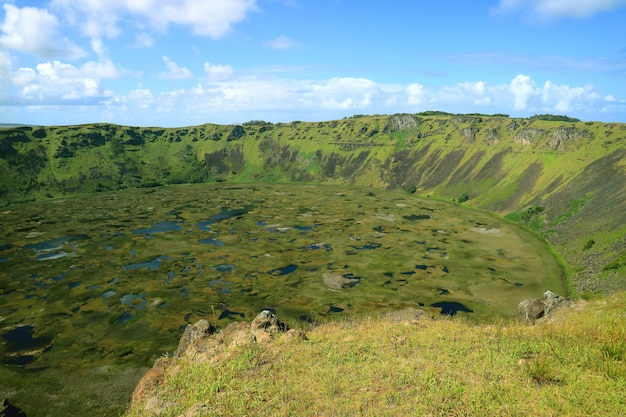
(188, 62)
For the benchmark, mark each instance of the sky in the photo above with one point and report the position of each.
(177, 63)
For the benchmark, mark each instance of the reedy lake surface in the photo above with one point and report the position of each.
(112, 279)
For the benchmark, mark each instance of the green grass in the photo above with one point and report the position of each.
(573, 365)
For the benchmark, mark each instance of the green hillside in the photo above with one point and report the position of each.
(563, 178)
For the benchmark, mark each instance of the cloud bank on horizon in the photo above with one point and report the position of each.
(185, 62)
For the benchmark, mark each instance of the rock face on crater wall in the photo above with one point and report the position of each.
(399, 122)
(565, 138)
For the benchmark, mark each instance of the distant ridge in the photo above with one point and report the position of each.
(563, 178)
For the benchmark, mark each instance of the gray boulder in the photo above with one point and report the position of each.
(192, 333)
(267, 321)
(528, 311)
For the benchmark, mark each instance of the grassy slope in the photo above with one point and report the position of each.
(574, 364)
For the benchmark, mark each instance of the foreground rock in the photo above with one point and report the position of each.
(529, 311)
(202, 343)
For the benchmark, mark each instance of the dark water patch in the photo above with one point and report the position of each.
(5, 247)
(211, 241)
(224, 268)
(125, 317)
(409, 273)
(152, 265)
(421, 267)
(224, 215)
(335, 309)
(414, 217)
(379, 229)
(443, 291)
(227, 314)
(170, 276)
(318, 246)
(74, 285)
(368, 246)
(283, 271)
(4, 259)
(59, 277)
(134, 300)
(518, 284)
(445, 270)
(54, 244)
(450, 308)
(108, 247)
(20, 360)
(303, 228)
(163, 227)
(219, 283)
(388, 274)
(20, 339)
(50, 256)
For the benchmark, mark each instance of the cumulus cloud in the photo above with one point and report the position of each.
(52, 82)
(174, 72)
(97, 18)
(55, 83)
(223, 97)
(281, 42)
(522, 88)
(35, 31)
(554, 9)
(218, 72)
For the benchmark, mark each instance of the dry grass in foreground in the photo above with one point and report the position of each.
(571, 365)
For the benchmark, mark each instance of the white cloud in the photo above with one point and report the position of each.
(143, 40)
(226, 98)
(522, 88)
(564, 98)
(98, 18)
(218, 72)
(174, 72)
(281, 42)
(35, 31)
(141, 98)
(55, 83)
(554, 9)
(416, 94)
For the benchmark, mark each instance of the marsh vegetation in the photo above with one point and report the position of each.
(108, 281)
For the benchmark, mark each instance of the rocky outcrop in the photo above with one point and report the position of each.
(565, 137)
(529, 311)
(399, 122)
(492, 138)
(528, 135)
(202, 343)
(192, 333)
(469, 134)
(237, 132)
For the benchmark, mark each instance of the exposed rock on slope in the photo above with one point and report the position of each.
(200, 343)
